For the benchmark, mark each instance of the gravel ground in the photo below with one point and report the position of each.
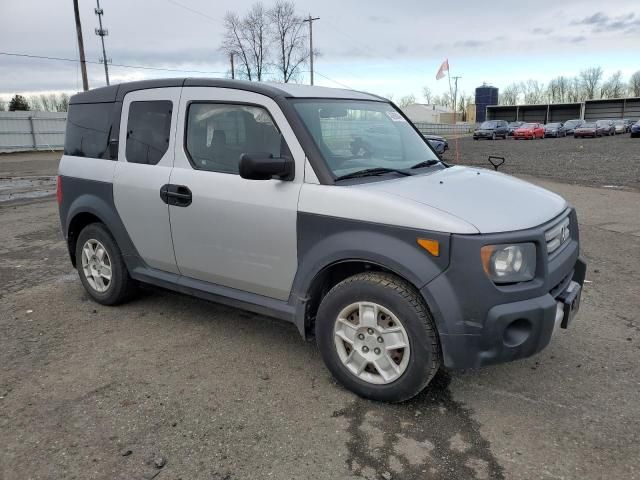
(172, 387)
(604, 161)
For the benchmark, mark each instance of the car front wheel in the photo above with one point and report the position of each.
(377, 337)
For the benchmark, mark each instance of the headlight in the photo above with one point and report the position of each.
(509, 263)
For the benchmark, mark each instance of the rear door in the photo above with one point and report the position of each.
(234, 232)
(145, 160)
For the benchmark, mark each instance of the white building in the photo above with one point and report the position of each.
(428, 113)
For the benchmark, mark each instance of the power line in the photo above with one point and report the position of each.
(193, 10)
(334, 81)
(142, 67)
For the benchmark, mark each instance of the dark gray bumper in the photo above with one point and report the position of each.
(481, 323)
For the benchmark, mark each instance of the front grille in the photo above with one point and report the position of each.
(558, 234)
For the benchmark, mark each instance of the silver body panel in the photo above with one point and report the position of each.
(136, 189)
(238, 233)
(490, 201)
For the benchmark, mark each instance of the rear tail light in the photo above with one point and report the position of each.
(59, 189)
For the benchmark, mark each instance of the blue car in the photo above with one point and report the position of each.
(635, 129)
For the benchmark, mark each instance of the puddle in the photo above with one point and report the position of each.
(431, 436)
(13, 189)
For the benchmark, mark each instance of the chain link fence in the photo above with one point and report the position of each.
(24, 131)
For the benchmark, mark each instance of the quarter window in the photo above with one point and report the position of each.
(88, 129)
(218, 134)
(148, 131)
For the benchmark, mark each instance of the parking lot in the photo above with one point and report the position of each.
(173, 387)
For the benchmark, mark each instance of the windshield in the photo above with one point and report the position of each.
(553, 125)
(589, 125)
(355, 135)
(529, 125)
(571, 123)
(488, 125)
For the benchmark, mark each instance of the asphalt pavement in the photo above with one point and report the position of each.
(171, 387)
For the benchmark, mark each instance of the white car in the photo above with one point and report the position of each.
(261, 196)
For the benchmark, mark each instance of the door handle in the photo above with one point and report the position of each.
(177, 195)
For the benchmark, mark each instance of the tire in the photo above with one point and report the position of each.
(119, 287)
(400, 307)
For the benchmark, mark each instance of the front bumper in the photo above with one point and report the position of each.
(480, 323)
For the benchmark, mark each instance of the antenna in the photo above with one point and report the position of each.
(102, 32)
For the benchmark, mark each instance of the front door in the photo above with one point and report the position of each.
(234, 232)
(145, 160)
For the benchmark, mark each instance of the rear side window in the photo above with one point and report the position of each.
(148, 131)
(88, 129)
(218, 134)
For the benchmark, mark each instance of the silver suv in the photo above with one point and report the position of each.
(322, 207)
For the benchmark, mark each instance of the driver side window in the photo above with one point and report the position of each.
(218, 134)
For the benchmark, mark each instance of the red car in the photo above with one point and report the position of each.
(529, 131)
(586, 130)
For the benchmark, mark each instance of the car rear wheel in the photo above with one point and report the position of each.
(102, 270)
(377, 337)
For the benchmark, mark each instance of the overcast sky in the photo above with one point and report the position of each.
(386, 47)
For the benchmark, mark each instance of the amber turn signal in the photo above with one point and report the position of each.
(431, 246)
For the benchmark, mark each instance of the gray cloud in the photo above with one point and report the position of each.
(542, 31)
(379, 19)
(470, 43)
(600, 22)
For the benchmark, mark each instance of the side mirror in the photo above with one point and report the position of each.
(264, 166)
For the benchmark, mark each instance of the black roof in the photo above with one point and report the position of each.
(116, 93)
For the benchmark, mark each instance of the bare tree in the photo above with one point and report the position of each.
(256, 26)
(614, 87)
(510, 95)
(289, 36)
(590, 79)
(407, 100)
(574, 90)
(248, 40)
(427, 95)
(634, 84)
(534, 92)
(62, 103)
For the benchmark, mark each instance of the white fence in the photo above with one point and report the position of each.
(20, 131)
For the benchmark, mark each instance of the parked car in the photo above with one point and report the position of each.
(554, 129)
(605, 127)
(588, 129)
(570, 125)
(635, 129)
(620, 127)
(628, 123)
(249, 194)
(529, 131)
(439, 144)
(513, 126)
(492, 129)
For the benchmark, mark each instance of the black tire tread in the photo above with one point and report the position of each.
(124, 287)
(416, 302)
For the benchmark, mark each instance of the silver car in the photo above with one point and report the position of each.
(322, 207)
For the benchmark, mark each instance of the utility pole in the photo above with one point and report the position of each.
(102, 32)
(233, 70)
(455, 98)
(83, 63)
(310, 20)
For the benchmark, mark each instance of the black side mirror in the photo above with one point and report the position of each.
(264, 166)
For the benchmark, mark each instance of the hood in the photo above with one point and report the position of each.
(490, 201)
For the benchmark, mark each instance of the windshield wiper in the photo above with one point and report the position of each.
(372, 172)
(426, 163)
